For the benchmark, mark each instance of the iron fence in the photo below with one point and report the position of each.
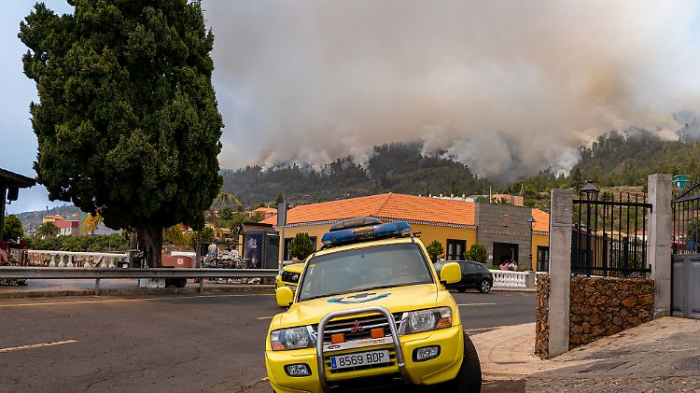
(610, 235)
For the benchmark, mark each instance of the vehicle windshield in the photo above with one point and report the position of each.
(363, 269)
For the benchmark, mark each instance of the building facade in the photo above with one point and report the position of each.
(68, 227)
(505, 230)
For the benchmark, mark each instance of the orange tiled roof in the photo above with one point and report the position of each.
(541, 221)
(414, 209)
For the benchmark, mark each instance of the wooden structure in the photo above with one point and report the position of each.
(10, 183)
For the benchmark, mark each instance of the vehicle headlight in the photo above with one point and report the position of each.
(431, 319)
(293, 338)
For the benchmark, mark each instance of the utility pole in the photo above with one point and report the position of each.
(281, 223)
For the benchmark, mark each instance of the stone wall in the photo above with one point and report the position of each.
(542, 326)
(602, 306)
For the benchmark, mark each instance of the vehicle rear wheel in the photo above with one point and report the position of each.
(485, 286)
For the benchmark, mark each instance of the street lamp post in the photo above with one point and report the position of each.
(531, 221)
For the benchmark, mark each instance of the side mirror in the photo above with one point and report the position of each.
(285, 296)
(450, 273)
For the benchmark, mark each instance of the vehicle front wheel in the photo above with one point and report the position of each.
(469, 378)
(462, 289)
(485, 286)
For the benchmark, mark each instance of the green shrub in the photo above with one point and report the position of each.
(301, 246)
(477, 252)
(435, 249)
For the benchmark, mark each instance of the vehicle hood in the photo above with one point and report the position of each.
(396, 299)
(294, 267)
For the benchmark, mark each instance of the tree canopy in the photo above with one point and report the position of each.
(127, 120)
(12, 228)
(301, 246)
(47, 229)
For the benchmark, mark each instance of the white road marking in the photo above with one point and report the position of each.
(263, 318)
(40, 345)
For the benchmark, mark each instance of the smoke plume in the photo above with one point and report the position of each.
(506, 87)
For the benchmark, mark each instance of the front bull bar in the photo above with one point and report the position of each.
(335, 314)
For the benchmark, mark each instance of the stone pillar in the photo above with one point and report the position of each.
(531, 280)
(659, 243)
(560, 222)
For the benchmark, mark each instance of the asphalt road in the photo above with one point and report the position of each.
(186, 343)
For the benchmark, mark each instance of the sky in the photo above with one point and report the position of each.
(508, 87)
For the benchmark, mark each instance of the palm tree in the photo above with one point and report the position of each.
(47, 229)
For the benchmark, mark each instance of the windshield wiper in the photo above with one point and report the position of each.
(396, 285)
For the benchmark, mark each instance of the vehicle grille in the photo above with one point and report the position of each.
(359, 328)
(290, 277)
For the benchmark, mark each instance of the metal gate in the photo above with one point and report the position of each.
(610, 234)
(685, 272)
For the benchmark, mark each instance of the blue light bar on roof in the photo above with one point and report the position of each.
(373, 232)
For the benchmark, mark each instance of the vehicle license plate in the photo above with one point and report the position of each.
(359, 359)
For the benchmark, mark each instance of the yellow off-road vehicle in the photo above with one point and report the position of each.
(370, 312)
(289, 276)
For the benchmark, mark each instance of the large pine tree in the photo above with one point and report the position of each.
(127, 120)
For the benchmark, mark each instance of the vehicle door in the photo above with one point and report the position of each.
(474, 273)
(467, 273)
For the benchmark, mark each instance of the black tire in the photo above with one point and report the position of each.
(485, 286)
(461, 289)
(469, 378)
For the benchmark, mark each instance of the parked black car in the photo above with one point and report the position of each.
(474, 275)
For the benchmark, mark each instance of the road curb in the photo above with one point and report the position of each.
(269, 289)
(514, 289)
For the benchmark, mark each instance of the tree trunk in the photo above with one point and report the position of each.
(151, 241)
(197, 249)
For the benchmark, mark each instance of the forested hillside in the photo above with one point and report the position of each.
(32, 220)
(395, 167)
(615, 159)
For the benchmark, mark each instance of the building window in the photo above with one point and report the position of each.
(455, 249)
(542, 259)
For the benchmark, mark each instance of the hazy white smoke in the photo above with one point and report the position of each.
(505, 87)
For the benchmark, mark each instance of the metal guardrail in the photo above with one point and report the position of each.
(12, 272)
(95, 273)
